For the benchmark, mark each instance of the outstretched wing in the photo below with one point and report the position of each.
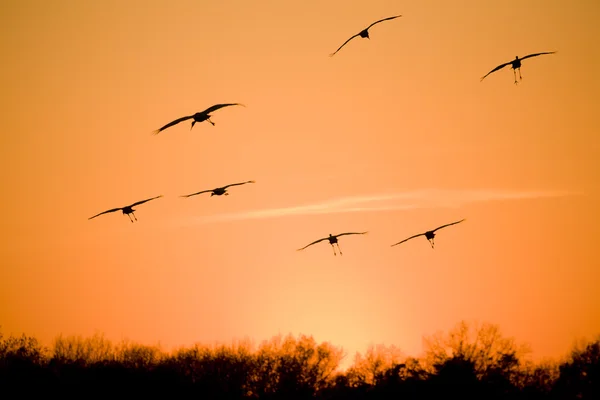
(412, 237)
(366, 29)
(381, 20)
(537, 54)
(193, 194)
(217, 106)
(173, 123)
(350, 233)
(339, 48)
(315, 242)
(236, 184)
(443, 226)
(497, 68)
(143, 201)
(106, 212)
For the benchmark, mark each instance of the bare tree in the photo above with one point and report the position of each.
(483, 345)
(370, 368)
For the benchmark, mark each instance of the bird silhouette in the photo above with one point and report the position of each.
(198, 117)
(429, 234)
(364, 33)
(218, 191)
(516, 65)
(333, 240)
(127, 209)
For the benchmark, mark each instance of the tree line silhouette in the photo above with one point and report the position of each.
(470, 362)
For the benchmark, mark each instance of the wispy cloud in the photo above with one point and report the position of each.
(423, 198)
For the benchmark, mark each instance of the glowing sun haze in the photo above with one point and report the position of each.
(394, 135)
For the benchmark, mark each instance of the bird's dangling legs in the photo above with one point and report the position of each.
(340, 250)
(130, 217)
(226, 193)
(520, 77)
(208, 119)
(333, 247)
(515, 74)
(432, 243)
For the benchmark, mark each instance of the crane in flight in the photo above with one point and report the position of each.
(218, 191)
(429, 235)
(198, 117)
(364, 33)
(333, 240)
(127, 209)
(516, 65)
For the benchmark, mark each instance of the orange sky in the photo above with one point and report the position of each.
(394, 135)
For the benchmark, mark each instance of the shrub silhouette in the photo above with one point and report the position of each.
(23, 362)
(371, 368)
(470, 362)
(536, 380)
(83, 350)
(482, 345)
(580, 375)
(294, 368)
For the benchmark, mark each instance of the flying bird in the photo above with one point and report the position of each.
(429, 234)
(333, 240)
(127, 209)
(364, 33)
(199, 116)
(516, 65)
(218, 191)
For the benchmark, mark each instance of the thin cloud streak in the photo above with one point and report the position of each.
(425, 198)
